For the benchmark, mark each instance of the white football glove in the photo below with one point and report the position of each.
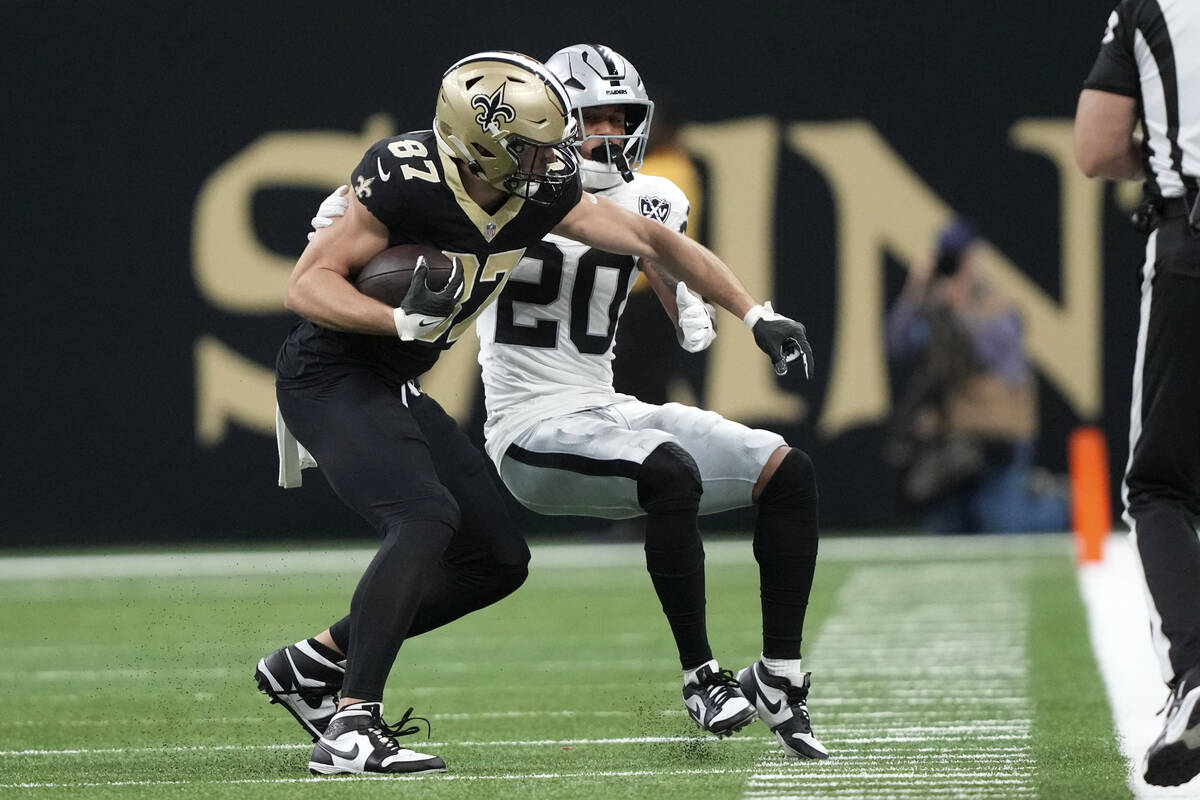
(333, 206)
(697, 320)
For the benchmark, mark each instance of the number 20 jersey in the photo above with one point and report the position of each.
(546, 345)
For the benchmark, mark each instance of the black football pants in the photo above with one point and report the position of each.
(400, 461)
(1162, 481)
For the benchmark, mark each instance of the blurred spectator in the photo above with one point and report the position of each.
(962, 437)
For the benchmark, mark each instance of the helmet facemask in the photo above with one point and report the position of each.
(539, 166)
(615, 157)
(593, 76)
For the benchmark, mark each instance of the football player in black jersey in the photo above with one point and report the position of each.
(495, 175)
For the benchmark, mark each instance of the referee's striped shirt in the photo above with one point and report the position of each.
(1151, 51)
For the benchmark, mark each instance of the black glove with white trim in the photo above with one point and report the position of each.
(422, 309)
(782, 339)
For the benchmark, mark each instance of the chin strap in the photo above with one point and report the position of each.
(613, 154)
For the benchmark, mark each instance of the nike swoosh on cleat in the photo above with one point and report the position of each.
(349, 755)
(771, 707)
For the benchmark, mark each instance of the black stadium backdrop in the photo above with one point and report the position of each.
(162, 162)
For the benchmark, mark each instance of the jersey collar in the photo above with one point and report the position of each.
(488, 225)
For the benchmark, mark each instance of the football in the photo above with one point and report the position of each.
(387, 276)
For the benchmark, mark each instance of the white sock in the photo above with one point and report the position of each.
(789, 668)
(689, 675)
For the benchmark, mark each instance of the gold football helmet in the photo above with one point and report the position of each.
(508, 118)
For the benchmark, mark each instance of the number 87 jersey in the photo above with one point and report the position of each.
(546, 345)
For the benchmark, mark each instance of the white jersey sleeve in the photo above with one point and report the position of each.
(546, 345)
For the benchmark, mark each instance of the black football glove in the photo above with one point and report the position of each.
(422, 308)
(782, 339)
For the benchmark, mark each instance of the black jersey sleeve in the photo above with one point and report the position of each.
(1116, 69)
(567, 199)
(393, 173)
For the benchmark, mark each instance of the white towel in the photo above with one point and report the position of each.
(292, 456)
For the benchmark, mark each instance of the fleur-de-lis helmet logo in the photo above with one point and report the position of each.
(492, 110)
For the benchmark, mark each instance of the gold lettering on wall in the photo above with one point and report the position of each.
(883, 206)
(1064, 337)
(236, 273)
(743, 157)
(230, 388)
(233, 270)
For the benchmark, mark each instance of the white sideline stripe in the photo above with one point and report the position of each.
(1118, 621)
(723, 551)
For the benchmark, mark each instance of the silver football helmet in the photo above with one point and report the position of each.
(595, 75)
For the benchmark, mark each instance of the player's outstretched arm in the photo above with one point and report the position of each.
(604, 225)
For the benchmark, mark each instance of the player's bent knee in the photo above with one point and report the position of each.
(669, 480)
(433, 504)
(794, 482)
(508, 578)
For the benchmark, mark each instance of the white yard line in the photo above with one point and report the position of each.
(302, 561)
(950, 637)
(342, 780)
(201, 748)
(1117, 617)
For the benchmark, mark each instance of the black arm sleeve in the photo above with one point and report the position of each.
(1116, 69)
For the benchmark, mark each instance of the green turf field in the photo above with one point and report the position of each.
(941, 668)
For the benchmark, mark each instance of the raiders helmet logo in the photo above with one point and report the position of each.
(492, 110)
(654, 208)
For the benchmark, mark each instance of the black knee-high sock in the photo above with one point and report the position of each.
(385, 602)
(669, 489)
(785, 546)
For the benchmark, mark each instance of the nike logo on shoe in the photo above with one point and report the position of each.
(349, 755)
(771, 707)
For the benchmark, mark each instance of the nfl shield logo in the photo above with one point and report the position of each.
(489, 231)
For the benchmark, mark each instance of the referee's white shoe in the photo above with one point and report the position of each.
(1174, 758)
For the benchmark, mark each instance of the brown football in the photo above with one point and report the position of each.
(387, 276)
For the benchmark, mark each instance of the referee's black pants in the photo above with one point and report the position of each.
(398, 459)
(1162, 479)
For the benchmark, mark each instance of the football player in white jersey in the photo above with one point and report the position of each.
(565, 442)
